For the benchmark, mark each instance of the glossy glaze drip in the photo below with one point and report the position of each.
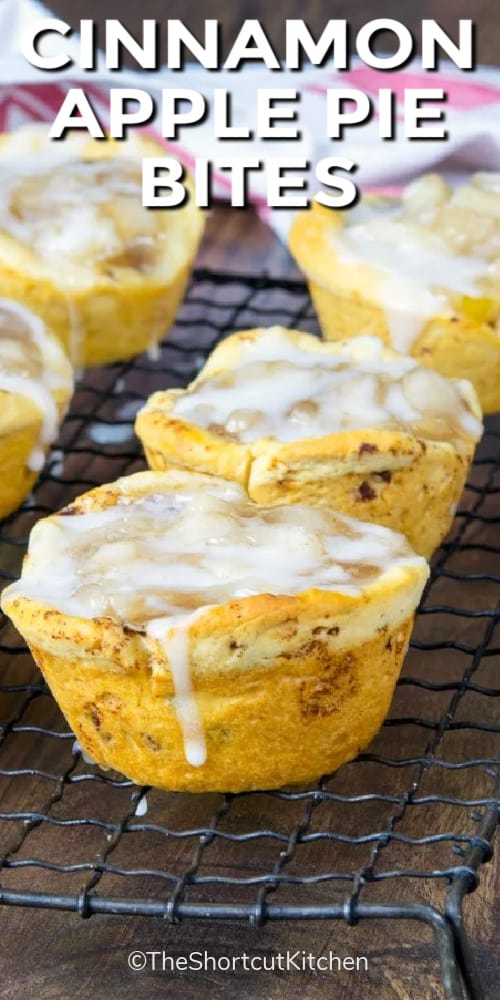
(173, 636)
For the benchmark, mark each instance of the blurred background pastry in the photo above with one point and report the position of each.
(422, 272)
(36, 383)
(78, 248)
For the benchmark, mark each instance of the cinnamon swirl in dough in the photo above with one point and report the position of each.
(422, 272)
(197, 641)
(350, 425)
(36, 383)
(77, 247)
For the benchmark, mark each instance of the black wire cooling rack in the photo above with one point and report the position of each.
(399, 834)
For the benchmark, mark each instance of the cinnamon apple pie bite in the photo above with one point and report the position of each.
(422, 272)
(36, 383)
(78, 247)
(350, 425)
(197, 641)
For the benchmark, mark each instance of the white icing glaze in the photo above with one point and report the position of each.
(286, 390)
(73, 213)
(173, 634)
(142, 806)
(36, 459)
(157, 561)
(414, 275)
(30, 366)
(154, 352)
(434, 243)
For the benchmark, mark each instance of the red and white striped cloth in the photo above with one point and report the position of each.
(472, 112)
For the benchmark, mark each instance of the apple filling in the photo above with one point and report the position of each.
(277, 390)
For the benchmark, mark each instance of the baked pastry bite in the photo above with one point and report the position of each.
(197, 641)
(349, 425)
(77, 247)
(422, 272)
(36, 383)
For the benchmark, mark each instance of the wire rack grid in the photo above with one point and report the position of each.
(398, 834)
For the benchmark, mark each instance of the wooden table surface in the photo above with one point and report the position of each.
(58, 956)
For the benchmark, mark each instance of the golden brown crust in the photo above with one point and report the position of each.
(312, 710)
(287, 687)
(345, 295)
(385, 476)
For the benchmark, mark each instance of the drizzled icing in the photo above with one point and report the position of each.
(156, 561)
(142, 806)
(173, 635)
(413, 277)
(77, 214)
(32, 365)
(287, 388)
(415, 268)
